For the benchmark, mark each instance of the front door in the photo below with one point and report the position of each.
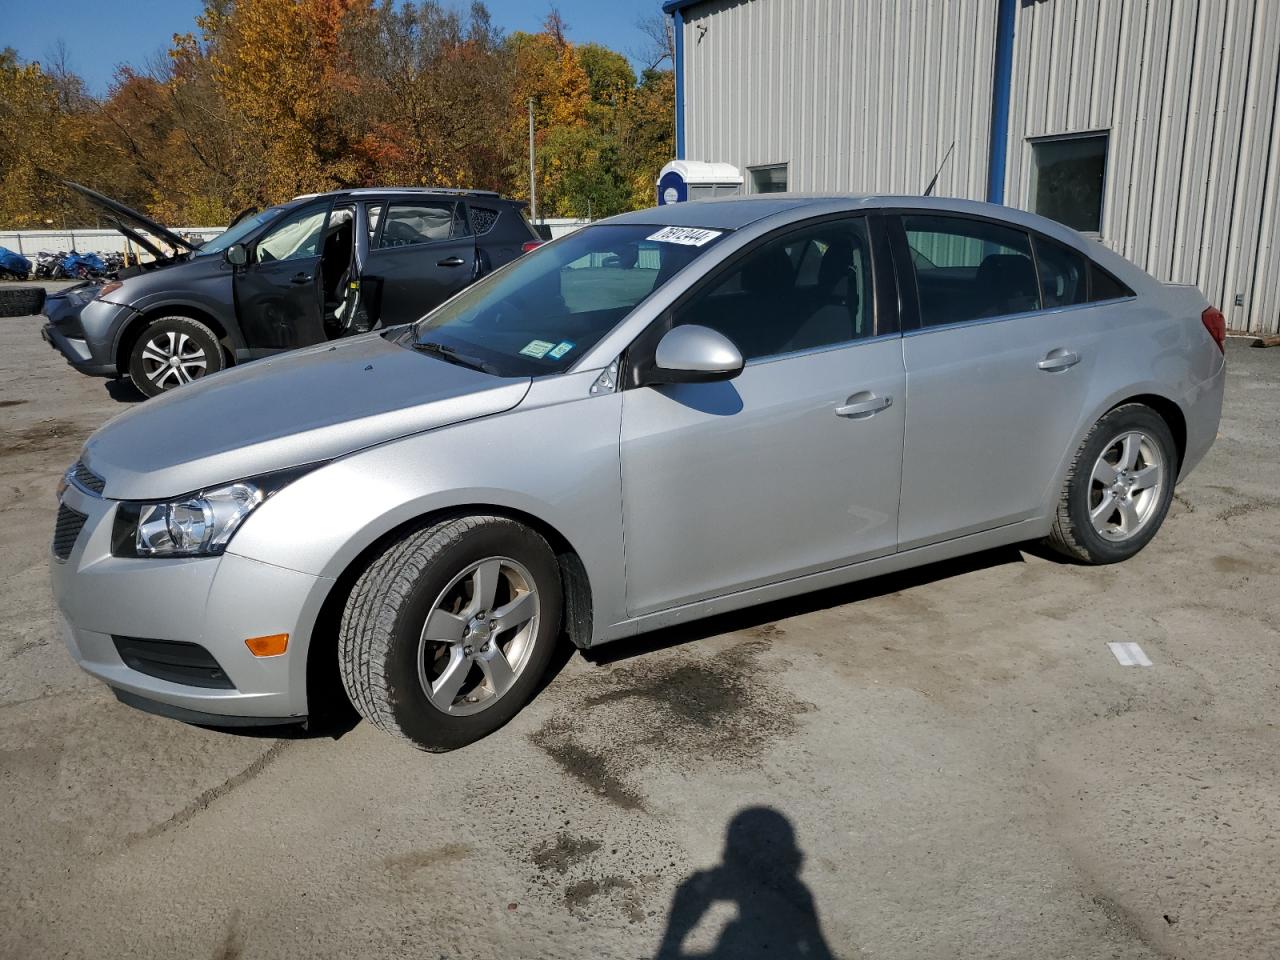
(278, 292)
(792, 467)
(422, 253)
(997, 373)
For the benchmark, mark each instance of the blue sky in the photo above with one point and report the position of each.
(99, 34)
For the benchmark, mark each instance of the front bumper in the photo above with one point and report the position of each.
(86, 333)
(216, 602)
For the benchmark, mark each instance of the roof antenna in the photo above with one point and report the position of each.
(928, 191)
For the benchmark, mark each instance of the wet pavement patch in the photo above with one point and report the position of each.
(562, 853)
(674, 709)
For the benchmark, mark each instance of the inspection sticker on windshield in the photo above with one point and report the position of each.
(560, 349)
(537, 348)
(688, 236)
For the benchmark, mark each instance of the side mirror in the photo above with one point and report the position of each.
(237, 255)
(694, 354)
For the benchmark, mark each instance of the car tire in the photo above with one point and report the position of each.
(420, 650)
(190, 343)
(21, 301)
(1118, 488)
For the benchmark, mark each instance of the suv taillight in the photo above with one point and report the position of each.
(531, 245)
(1216, 324)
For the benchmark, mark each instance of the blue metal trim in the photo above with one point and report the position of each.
(1001, 84)
(671, 6)
(678, 17)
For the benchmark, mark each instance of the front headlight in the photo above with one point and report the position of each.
(199, 525)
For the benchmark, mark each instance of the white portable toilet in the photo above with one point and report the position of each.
(682, 180)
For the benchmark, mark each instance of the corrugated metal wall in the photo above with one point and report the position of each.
(860, 95)
(855, 95)
(1189, 91)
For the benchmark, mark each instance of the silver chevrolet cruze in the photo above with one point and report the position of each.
(666, 415)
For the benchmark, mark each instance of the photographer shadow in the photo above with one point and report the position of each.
(760, 877)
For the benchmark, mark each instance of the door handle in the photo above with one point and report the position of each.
(863, 405)
(450, 262)
(301, 278)
(1057, 360)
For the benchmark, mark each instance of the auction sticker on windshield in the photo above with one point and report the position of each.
(688, 236)
(560, 349)
(537, 348)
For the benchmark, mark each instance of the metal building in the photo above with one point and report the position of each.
(1154, 124)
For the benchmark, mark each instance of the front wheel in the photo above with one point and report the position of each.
(1119, 487)
(446, 635)
(173, 351)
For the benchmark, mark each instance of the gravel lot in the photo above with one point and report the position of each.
(965, 769)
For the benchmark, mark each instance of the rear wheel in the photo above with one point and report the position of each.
(173, 351)
(446, 635)
(1119, 487)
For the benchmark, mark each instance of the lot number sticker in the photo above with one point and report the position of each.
(686, 236)
(560, 349)
(537, 348)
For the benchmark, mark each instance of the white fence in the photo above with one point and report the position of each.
(30, 242)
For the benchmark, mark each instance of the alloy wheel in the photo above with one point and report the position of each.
(1126, 485)
(172, 358)
(478, 636)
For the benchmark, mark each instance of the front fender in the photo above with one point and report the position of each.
(555, 463)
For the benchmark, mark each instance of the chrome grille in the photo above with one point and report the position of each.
(86, 479)
(66, 530)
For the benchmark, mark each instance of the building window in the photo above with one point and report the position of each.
(770, 179)
(1066, 179)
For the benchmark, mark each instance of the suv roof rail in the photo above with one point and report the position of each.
(450, 191)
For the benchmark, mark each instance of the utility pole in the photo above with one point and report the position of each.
(533, 176)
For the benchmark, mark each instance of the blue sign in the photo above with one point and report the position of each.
(672, 189)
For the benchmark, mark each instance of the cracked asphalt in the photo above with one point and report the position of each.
(944, 763)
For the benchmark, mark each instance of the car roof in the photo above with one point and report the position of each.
(416, 191)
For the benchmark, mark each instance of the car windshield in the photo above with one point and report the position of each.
(549, 307)
(237, 232)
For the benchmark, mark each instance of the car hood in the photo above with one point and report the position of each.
(129, 221)
(300, 407)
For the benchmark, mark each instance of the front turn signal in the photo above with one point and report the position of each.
(271, 646)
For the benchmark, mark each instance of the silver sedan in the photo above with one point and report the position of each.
(666, 415)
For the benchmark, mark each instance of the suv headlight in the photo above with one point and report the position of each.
(198, 525)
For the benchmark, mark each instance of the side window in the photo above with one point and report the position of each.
(811, 288)
(483, 218)
(1103, 286)
(970, 269)
(418, 222)
(1064, 273)
(460, 226)
(296, 236)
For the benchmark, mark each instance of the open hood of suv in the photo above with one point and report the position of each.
(124, 218)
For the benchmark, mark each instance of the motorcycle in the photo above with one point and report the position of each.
(13, 266)
(46, 262)
(83, 266)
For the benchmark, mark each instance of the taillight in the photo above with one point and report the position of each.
(531, 245)
(1216, 324)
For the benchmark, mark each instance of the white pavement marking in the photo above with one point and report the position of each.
(1129, 654)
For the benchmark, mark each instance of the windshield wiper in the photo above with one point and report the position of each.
(450, 355)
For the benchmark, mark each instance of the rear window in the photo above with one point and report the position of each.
(1064, 273)
(970, 269)
(1103, 286)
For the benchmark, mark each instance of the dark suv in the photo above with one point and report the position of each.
(316, 268)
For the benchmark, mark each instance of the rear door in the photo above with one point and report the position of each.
(422, 252)
(278, 292)
(997, 373)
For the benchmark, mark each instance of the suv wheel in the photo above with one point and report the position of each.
(446, 635)
(1119, 487)
(173, 351)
